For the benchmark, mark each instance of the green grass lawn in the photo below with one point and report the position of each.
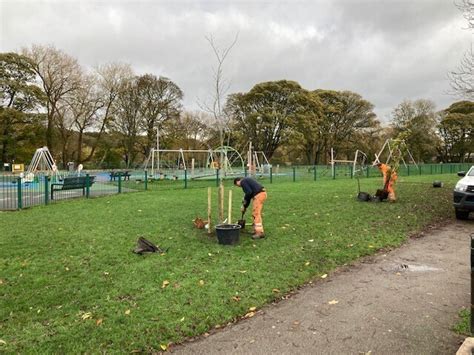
(70, 283)
(463, 326)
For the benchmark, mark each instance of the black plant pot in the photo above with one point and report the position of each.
(228, 234)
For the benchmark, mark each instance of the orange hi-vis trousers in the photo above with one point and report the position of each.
(257, 206)
(391, 177)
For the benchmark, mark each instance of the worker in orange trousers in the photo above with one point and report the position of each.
(389, 178)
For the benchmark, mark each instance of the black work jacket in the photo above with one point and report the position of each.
(251, 187)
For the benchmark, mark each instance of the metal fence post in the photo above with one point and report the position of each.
(119, 182)
(217, 177)
(88, 185)
(472, 282)
(314, 173)
(294, 174)
(431, 169)
(368, 169)
(271, 175)
(46, 190)
(146, 180)
(419, 168)
(19, 194)
(245, 172)
(185, 178)
(351, 169)
(408, 170)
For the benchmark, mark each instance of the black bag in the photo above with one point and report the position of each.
(145, 246)
(381, 194)
(364, 196)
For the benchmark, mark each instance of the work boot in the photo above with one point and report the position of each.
(258, 236)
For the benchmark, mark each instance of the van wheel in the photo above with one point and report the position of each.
(462, 214)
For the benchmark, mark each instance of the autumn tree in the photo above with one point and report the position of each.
(126, 122)
(160, 100)
(418, 118)
(456, 129)
(20, 100)
(346, 120)
(60, 76)
(266, 114)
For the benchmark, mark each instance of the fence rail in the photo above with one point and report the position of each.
(18, 193)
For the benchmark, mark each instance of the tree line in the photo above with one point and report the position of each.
(108, 117)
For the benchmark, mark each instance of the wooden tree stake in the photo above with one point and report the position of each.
(209, 191)
(229, 212)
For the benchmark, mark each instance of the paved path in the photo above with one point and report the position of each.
(402, 302)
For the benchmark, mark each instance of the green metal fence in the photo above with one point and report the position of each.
(18, 193)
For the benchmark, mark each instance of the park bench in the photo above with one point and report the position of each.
(72, 183)
(124, 175)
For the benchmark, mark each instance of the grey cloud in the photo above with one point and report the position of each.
(387, 51)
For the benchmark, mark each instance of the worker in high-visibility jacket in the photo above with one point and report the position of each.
(389, 178)
(256, 193)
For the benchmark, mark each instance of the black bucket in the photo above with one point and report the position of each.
(228, 234)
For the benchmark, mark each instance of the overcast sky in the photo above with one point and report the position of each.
(387, 51)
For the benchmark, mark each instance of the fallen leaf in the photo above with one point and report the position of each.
(106, 273)
(86, 315)
(371, 246)
(67, 269)
(165, 283)
(182, 319)
(3, 342)
(201, 282)
(98, 322)
(163, 347)
(333, 302)
(324, 276)
(275, 290)
(311, 240)
(1, 282)
(249, 315)
(242, 271)
(306, 263)
(236, 298)
(127, 312)
(252, 309)
(209, 254)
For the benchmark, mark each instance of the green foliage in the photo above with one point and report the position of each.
(457, 131)
(70, 284)
(417, 120)
(266, 114)
(20, 98)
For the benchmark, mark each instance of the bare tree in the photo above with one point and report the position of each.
(85, 106)
(215, 106)
(60, 76)
(462, 78)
